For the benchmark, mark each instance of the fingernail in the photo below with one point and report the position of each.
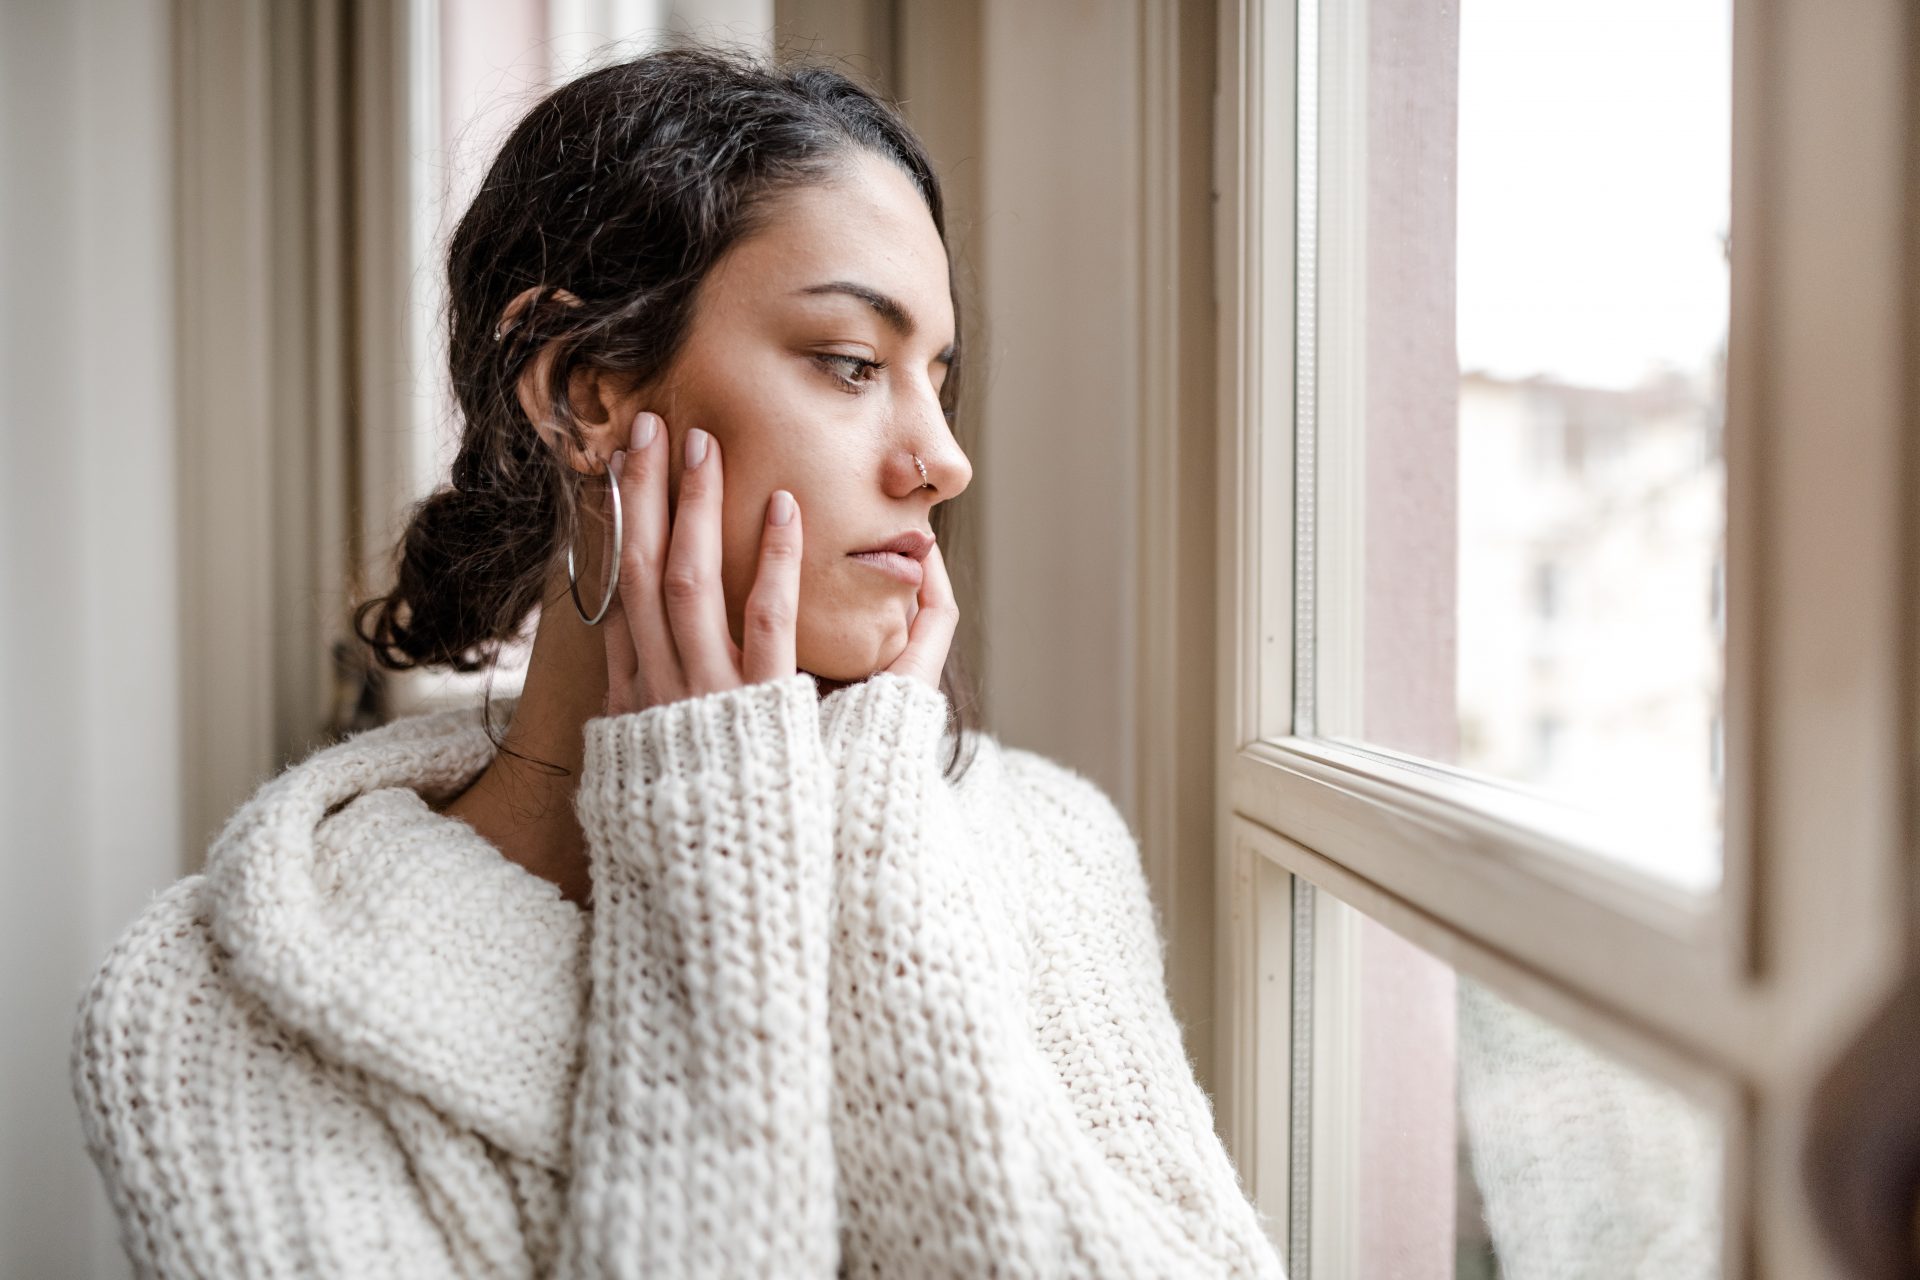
(696, 446)
(644, 425)
(780, 510)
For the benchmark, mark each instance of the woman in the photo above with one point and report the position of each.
(721, 962)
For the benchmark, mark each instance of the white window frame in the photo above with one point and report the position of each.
(1738, 1001)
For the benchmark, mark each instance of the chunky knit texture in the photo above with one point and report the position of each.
(830, 1014)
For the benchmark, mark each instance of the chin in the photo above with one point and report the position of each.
(844, 667)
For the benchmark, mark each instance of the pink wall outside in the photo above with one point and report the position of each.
(1408, 1110)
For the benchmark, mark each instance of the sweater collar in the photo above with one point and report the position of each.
(399, 941)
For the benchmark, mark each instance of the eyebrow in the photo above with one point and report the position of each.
(891, 311)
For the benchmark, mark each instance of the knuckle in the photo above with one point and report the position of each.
(683, 584)
(782, 549)
(769, 617)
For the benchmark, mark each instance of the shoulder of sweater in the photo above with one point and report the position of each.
(160, 979)
(165, 942)
(1062, 792)
(218, 1131)
(1085, 860)
(158, 1008)
(1064, 815)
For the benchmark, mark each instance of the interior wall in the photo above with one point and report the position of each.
(89, 774)
(1056, 485)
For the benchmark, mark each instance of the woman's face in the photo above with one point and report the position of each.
(815, 357)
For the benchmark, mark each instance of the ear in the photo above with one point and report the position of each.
(591, 397)
(587, 393)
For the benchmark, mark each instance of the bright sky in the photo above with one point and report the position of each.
(1594, 174)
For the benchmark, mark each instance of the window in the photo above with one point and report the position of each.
(1483, 228)
(1514, 348)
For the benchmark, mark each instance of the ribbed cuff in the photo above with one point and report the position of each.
(701, 1127)
(759, 738)
(897, 716)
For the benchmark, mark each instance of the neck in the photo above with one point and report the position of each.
(520, 802)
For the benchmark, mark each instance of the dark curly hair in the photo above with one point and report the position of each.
(623, 188)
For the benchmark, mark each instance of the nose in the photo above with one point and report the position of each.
(948, 469)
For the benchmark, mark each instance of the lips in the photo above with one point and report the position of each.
(899, 556)
(912, 543)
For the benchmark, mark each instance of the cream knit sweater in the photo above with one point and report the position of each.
(830, 1015)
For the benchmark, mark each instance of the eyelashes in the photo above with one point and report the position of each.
(835, 364)
(867, 371)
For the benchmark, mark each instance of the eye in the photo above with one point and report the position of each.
(851, 372)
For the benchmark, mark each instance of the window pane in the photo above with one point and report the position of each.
(1522, 214)
(1457, 1134)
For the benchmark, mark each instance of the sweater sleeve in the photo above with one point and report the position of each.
(1031, 1107)
(700, 1133)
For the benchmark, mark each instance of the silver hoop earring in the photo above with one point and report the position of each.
(613, 578)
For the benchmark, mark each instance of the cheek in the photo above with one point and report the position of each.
(784, 446)
(744, 532)
(799, 457)
(830, 584)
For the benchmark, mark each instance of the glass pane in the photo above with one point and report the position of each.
(1455, 1134)
(1523, 214)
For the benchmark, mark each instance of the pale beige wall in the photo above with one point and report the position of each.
(89, 753)
(1057, 479)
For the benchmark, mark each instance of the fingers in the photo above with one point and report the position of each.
(655, 659)
(622, 697)
(670, 638)
(925, 656)
(773, 606)
(695, 602)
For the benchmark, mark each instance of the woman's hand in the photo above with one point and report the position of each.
(925, 656)
(669, 638)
